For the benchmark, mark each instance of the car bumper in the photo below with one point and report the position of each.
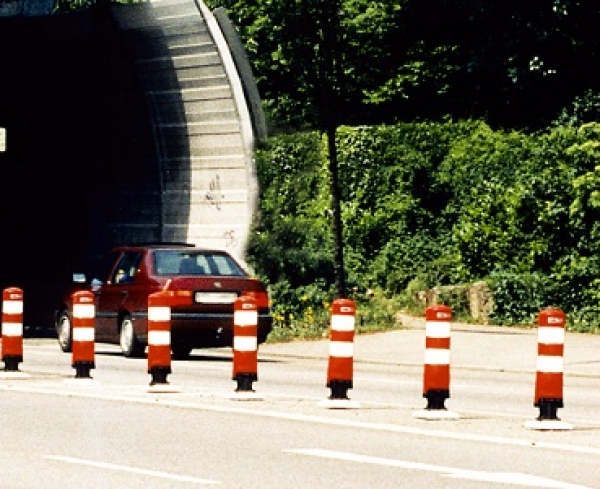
(210, 330)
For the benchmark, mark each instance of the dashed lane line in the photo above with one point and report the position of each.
(132, 470)
(510, 478)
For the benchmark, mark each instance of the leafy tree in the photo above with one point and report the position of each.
(406, 60)
(584, 109)
(307, 31)
(292, 236)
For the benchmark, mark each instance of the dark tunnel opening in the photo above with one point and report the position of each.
(76, 124)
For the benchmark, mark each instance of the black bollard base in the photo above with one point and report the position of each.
(435, 406)
(339, 389)
(436, 399)
(11, 363)
(548, 419)
(549, 409)
(159, 375)
(338, 398)
(244, 382)
(82, 370)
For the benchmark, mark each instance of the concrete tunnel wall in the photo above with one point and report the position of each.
(125, 123)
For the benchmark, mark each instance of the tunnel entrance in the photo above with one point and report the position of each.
(74, 116)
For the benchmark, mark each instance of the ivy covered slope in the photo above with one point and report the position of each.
(431, 204)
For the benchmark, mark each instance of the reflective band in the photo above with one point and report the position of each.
(550, 364)
(245, 318)
(159, 337)
(245, 343)
(342, 323)
(83, 334)
(159, 313)
(12, 307)
(12, 329)
(437, 356)
(437, 329)
(341, 349)
(551, 336)
(85, 311)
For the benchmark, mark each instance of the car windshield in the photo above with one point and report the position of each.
(195, 263)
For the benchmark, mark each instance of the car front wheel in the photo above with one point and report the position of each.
(130, 345)
(64, 332)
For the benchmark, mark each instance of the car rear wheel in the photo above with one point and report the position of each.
(64, 332)
(130, 345)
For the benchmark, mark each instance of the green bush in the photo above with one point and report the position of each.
(519, 297)
(432, 204)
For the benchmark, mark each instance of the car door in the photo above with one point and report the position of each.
(113, 294)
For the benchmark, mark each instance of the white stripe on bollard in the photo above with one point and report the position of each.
(84, 311)
(551, 335)
(159, 338)
(550, 364)
(342, 323)
(12, 307)
(437, 356)
(245, 343)
(83, 334)
(245, 318)
(159, 313)
(12, 329)
(437, 329)
(341, 349)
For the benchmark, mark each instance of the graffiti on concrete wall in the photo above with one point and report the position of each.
(214, 195)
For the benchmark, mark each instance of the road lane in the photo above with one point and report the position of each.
(246, 446)
(250, 443)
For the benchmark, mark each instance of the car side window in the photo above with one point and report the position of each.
(127, 267)
(166, 262)
(102, 268)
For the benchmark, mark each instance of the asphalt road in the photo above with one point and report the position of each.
(116, 431)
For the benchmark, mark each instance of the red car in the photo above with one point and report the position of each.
(205, 284)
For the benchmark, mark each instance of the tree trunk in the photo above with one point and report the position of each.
(338, 263)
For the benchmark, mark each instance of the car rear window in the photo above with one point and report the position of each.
(195, 263)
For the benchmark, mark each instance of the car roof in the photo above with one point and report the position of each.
(159, 244)
(167, 245)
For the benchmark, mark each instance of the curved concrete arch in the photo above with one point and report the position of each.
(124, 123)
(202, 125)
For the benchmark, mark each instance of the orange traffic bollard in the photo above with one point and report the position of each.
(84, 313)
(340, 370)
(159, 337)
(12, 328)
(548, 395)
(245, 343)
(436, 373)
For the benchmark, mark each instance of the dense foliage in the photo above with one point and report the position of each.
(501, 197)
(514, 64)
(437, 204)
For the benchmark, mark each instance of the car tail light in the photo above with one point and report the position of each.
(181, 297)
(261, 297)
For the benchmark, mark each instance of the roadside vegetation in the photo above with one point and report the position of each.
(432, 204)
(455, 142)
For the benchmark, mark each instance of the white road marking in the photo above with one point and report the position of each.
(512, 478)
(133, 470)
